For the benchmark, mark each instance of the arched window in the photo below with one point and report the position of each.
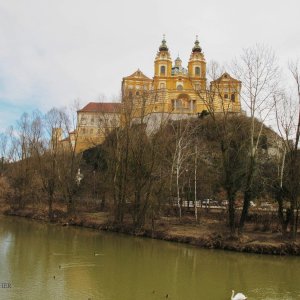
(233, 97)
(137, 93)
(130, 94)
(197, 71)
(173, 104)
(193, 107)
(179, 87)
(178, 103)
(162, 70)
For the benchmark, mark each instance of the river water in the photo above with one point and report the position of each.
(40, 261)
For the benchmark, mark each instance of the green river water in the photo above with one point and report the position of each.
(97, 265)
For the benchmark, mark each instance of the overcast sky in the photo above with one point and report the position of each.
(55, 51)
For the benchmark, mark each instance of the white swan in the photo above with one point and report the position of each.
(238, 296)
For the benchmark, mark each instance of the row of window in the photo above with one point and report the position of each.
(232, 97)
(84, 120)
(163, 70)
(90, 131)
(179, 88)
(130, 94)
(183, 104)
(161, 86)
(137, 87)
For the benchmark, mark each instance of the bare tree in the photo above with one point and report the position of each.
(288, 121)
(69, 176)
(47, 155)
(195, 184)
(3, 149)
(227, 130)
(22, 173)
(182, 152)
(258, 70)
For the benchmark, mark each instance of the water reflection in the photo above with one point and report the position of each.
(73, 263)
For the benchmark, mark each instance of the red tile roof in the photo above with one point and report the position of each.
(101, 107)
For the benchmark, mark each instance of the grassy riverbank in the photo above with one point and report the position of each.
(210, 232)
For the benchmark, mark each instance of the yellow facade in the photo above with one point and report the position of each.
(175, 90)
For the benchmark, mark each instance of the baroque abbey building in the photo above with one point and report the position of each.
(174, 92)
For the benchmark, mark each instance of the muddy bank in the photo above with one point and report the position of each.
(200, 235)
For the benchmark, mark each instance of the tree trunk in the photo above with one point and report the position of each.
(283, 221)
(246, 205)
(231, 212)
(178, 194)
(247, 193)
(102, 204)
(50, 204)
(293, 233)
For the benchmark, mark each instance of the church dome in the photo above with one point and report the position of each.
(197, 47)
(163, 46)
(178, 62)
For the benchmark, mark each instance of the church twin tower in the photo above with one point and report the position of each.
(174, 92)
(178, 91)
(196, 71)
